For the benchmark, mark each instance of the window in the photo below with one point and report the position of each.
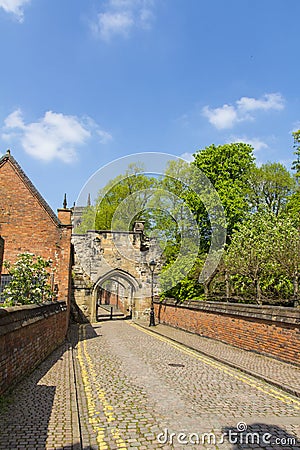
(4, 281)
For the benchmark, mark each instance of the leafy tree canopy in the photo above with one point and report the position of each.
(292, 208)
(270, 187)
(131, 190)
(262, 208)
(265, 249)
(228, 167)
(296, 162)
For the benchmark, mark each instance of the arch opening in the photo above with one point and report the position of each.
(115, 289)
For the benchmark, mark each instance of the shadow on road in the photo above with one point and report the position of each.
(74, 333)
(25, 416)
(260, 435)
(257, 436)
(26, 410)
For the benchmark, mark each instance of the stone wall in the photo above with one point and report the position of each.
(98, 252)
(112, 261)
(28, 334)
(269, 330)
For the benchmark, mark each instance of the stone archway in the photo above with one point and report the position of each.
(116, 288)
(115, 260)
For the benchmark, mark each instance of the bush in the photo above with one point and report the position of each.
(30, 281)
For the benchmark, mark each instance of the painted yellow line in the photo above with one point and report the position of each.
(87, 371)
(272, 392)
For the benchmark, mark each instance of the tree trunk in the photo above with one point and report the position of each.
(258, 291)
(296, 289)
(208, 282)
(206, 289)
(227, 284)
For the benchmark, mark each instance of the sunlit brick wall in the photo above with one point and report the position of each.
(269, 330)
(26, 226)
(1, 253)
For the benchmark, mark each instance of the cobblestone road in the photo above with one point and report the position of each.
(132, 389)
(271, 370)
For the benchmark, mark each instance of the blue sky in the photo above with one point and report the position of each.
(85, 82)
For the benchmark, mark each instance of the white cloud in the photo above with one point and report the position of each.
(119, 17)
(273, 101)
(104, 136)
(187, 156)
(221, 118)
(227, 116)
(14, 7)
(146, 18)
(114, 23)
(256, 143)
(14, 120)
(54, 136)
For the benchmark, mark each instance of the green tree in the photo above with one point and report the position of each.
(228, 167)
(296, 162)
(292, 209)
(193, 192)
(175, 196)
(248, 255)
(285, 248)
(270, 186)
(265, 253)
(132, 191)
(88, 220)
(293, 205)
(122, 201)
(189, 286)
(30, 280)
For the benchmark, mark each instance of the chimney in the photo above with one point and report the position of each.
(65, 214)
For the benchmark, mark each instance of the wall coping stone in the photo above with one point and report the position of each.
(15, 317)
(107, 232)
(255, 312)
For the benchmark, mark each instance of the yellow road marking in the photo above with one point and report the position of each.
(92, 409)
(285, 398)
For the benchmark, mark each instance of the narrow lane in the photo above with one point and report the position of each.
(136, 389)
(41, 412)
(121, 386)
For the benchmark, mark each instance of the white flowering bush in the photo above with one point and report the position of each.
(30, 280)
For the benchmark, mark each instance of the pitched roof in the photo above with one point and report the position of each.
(30, 186)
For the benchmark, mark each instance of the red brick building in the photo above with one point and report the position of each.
(28, 224)
(1, 252)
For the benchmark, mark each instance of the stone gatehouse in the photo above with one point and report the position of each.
(112, 267)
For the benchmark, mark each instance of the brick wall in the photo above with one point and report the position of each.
(113, 299)
(1, 253)
(28, 334)
(28, 224)
(272, 331)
